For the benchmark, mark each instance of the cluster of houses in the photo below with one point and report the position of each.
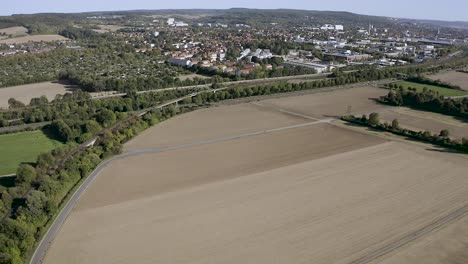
(30, 47)
(217, 61)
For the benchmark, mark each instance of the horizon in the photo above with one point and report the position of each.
(396, 9)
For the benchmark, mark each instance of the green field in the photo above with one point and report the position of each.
(23, 147)
(442, 91)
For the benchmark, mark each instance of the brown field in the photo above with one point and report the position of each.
(15, 31)
(25, 93)
(449, 245)
(33, 38)
(421, 121)
(315, 193)
(452, 77)
(332, 104)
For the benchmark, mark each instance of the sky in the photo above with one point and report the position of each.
(451, 10)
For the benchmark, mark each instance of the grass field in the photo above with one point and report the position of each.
(442, 91)
(23, 147)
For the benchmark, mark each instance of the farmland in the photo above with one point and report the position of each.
(452, 77)
(23, 147)
(14, 31)
(422, 121)
(33, 38)
(261, 182)
(25, 93)
(441, 90)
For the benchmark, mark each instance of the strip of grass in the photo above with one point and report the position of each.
(23, 147)
(442, 91)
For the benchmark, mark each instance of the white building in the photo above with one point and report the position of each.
(339, 27)
(180, 24)
(170, 21)
(327, 27)
(243, 54)
(179, 61)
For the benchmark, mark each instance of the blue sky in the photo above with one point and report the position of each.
(428, 9)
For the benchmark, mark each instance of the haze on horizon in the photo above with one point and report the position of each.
(449, 10)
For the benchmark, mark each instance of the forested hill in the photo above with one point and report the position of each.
(229, 16)
(55, 22)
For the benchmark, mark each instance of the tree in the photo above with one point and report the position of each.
(465, 142)
(395, 124)
(25, 174)
(13, 103)
(427, 134)
(106, 117)
(374, 119)
(444, 133)
(45, 160)
(364, 119)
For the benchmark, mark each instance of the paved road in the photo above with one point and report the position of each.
(44, 244)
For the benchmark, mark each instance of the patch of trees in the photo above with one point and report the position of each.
(441, 139)
(427, 100)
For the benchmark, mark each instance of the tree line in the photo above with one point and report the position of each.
(441, 139)
(427, 100)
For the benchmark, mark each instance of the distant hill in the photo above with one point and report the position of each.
(288, 17)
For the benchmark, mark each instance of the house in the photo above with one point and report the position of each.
(180, 61)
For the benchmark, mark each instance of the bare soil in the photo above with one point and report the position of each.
(452, 77)
(33, 38)
(25, 93)
(312, 194)
(15, 31)
(324, 210)
(422, 121)
(332, 104)
(212, 123)
(448, 245)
